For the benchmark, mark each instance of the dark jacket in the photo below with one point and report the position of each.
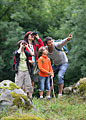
(17, 60)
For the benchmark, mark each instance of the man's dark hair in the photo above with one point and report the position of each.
(47, 39)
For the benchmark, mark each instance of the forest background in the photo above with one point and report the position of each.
(55, 18)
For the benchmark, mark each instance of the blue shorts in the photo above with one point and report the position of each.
(44, 82)
(59, 71)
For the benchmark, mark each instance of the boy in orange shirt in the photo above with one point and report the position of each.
(45, 70)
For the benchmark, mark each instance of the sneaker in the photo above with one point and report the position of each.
(59, 95)
(48, 97)
(41, 97)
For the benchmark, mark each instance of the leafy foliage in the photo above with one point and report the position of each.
(55, 18)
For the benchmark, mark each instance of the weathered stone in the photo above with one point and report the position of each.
(67, 90)
(10, 95)
(77, 88)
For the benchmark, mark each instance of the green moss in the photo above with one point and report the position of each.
(82, 88)
(22, 117)
(1, 87)
(5, 84)
(74, 87)
(18, 100)
(12, 86)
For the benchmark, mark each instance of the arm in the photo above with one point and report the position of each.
(30, 51)
(14, 63)
(63, 42)
(40, 67)
(50, 68)
(40, 42)
(17, 54)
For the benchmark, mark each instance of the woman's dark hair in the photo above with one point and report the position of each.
(26, 36)
(47, 39)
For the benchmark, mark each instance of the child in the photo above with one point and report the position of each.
(22, 76)
(45, 70)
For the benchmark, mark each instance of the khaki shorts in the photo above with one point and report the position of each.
(23, 78)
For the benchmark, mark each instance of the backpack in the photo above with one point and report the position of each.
(64, 47)
(36, 69)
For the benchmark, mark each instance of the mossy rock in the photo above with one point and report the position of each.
(82, 86)
(11, 94)
(10, 85)
(22, 117)
(21, 100)
(77, 88)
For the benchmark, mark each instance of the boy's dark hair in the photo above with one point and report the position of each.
(47, 39)
(40, 51)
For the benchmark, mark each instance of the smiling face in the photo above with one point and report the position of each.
(44, 51)
(50, 43)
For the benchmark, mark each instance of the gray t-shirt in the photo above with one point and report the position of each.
(58, 56)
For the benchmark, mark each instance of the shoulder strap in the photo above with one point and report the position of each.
(57, 49)
(49, 59)
(41, 59)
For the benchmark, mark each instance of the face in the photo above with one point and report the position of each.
(23, 45)
(50, 43)
(30, 37)
(45, 52)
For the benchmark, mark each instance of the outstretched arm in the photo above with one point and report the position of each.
(63, 42)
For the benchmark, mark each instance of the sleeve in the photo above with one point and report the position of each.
(28, 53)
(40, 66)
(40, 43)
(17, 54)
(14, 63)
(59, 45)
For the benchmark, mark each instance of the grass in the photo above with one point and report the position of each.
(66, 108)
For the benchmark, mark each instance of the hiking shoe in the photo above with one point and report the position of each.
(48, 97)
(41, 97)
(59, 95)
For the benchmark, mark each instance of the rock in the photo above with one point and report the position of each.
(10, 95)
(77, 88)
(67, 90)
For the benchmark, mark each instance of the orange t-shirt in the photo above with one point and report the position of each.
(44, 65)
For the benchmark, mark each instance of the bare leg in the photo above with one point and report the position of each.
(48, 93)
(33, 85)
(61, 88)
(41, 94)
(29, 95)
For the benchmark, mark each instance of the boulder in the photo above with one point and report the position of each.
(11, 94)
(77, 88)
(68, 90)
